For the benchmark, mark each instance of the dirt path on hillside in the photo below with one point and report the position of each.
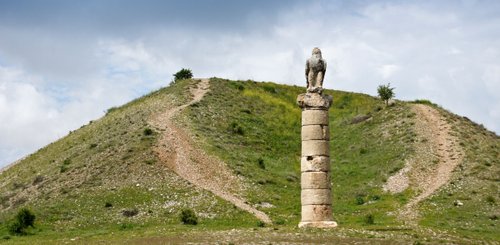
(175, 148)
(437, 153)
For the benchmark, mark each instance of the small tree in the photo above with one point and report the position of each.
(386, 92)
(188, 217)
(183, 74)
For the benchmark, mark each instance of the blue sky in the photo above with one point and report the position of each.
(63, 63)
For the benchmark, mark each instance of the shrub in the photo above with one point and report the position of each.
(490, 199)
(148, 131)
(149, 162)
(130, 212)
(188, 217)
(385, 92)
(38, 179)
(360, 200)
(280, 222)
(261, 163)
(261, 224)
(64, 168)
(24, 219)
(237, 129)
(370, 219)
(183, 74)
(108, 205)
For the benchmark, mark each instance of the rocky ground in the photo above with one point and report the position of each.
(193, 164)
(437, 154)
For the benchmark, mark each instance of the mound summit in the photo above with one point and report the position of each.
(230, 151)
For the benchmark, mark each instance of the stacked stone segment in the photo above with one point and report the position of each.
(316, 198)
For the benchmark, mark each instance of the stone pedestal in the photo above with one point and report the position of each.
(316, 196)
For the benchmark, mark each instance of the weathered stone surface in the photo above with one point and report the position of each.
(315, 148)
(315, 132)
(315, 180)
(317, 213)
(315, 164)
(315, 196)
(360, 118)
(318, 224)
(314, 100)
(315, 70)
(314, 117)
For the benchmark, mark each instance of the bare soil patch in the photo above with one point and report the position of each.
(437, 153)
(175, 148)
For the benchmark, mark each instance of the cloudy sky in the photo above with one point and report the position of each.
(63, 63)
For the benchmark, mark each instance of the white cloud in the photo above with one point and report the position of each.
(387, 70)
(24, 110)
(31, 116)
(442, 52)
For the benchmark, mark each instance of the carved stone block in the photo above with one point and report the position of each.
(315, 180)
(315, 148)
(314, 117)
(315, 164)
(317, 213)
(315, 132)
(315, 196)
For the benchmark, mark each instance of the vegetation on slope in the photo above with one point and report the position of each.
(475, 183)
(255, 128)
(104, 178)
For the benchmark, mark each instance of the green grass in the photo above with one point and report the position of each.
(111, 160)
(80, 185)
(424, 102)
(475, 182)
(363, 155)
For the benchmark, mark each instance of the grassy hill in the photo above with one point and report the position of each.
(104, 181)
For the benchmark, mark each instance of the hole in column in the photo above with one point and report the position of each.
(309, 158)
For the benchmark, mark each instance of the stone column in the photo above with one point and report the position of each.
(316, 196)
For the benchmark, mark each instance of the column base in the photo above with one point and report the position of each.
(318, 224)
